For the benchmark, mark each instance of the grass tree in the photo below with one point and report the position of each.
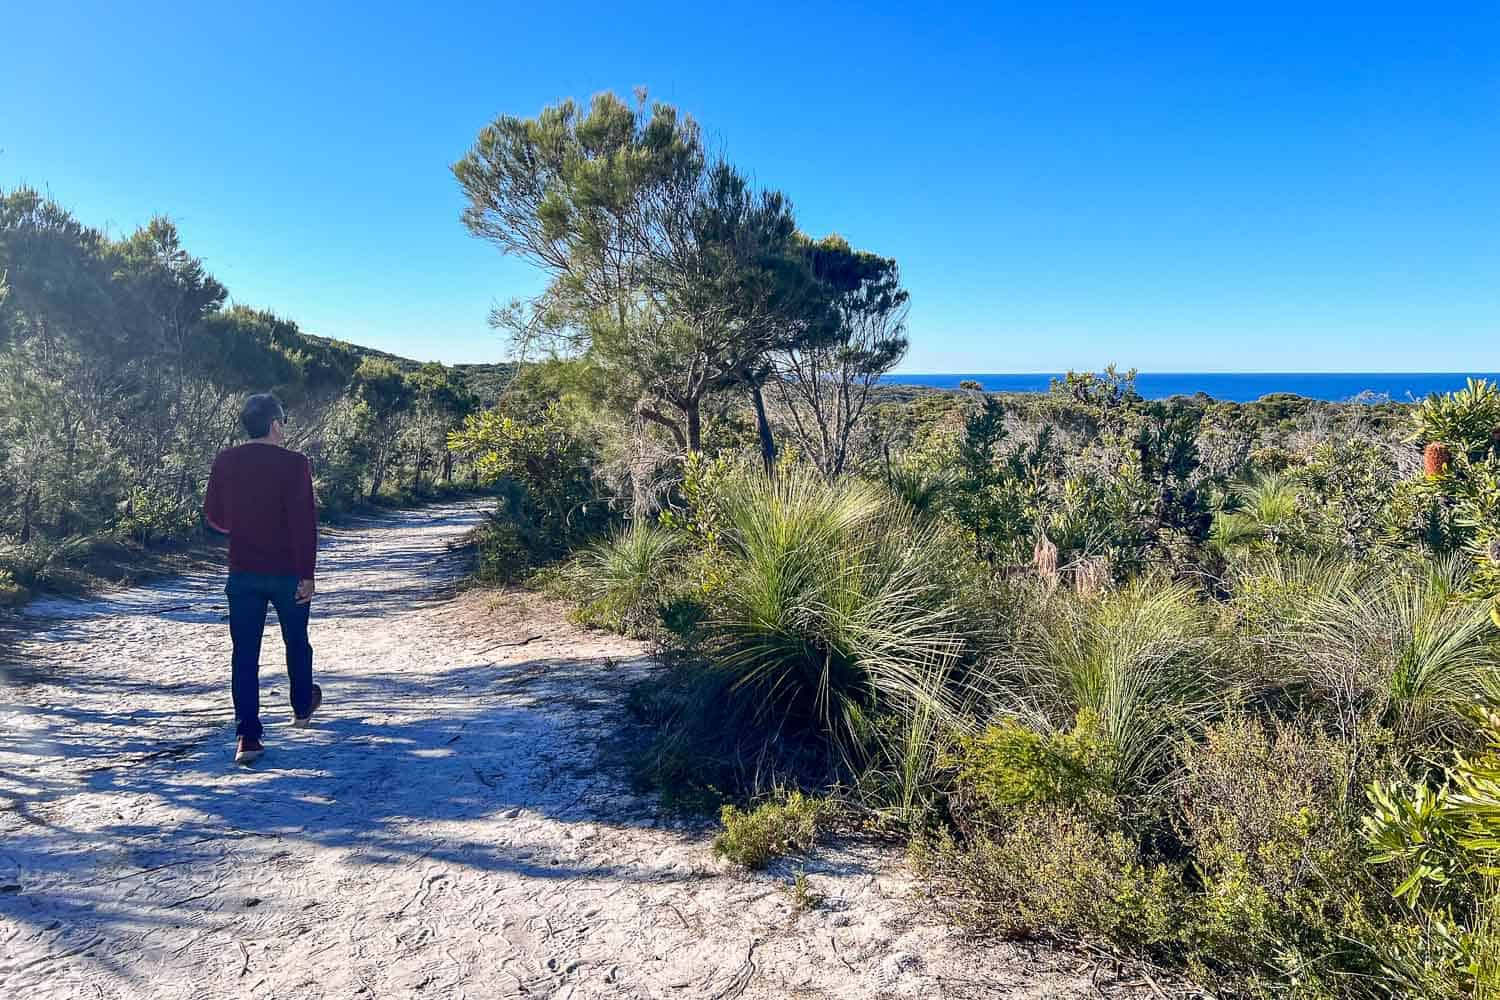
(832, 608)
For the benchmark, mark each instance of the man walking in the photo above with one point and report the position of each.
(261, 495)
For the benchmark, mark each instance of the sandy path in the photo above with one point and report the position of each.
(446, 830)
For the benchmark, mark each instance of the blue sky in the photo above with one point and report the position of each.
(1274, 187)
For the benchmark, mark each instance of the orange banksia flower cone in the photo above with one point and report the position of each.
(1436, 458)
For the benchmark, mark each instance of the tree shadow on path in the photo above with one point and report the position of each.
(455, 774)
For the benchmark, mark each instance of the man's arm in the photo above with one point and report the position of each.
(302, 518)
(213, 501)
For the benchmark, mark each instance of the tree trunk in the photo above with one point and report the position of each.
(763, 427)
(694, 426)
(27, 510)
(447, 466)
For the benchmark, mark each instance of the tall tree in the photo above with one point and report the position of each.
(671, 274)
(386, 396)
(824, 383)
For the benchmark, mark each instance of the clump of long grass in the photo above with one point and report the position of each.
(623, 581)
(835, 603)
(1398, 643)
(1142, 662)
(1262, 511)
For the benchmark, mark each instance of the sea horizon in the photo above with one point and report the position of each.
(1236, 387)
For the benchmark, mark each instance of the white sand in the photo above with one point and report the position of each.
(447, 829)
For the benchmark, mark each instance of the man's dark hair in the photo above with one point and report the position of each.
(260, 409)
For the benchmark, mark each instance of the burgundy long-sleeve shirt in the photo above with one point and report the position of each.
(261, 495)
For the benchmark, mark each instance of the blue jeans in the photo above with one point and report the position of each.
(249, 593)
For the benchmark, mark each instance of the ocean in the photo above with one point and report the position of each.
(1238, 387)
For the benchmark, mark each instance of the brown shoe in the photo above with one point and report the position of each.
(248, 751)
(303, 721)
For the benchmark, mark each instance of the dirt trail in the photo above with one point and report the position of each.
(447, 829)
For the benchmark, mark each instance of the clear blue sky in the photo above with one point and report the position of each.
(1269, 187)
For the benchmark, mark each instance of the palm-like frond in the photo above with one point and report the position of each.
(1142, 661)
(1264, 509)
(624, 579)
(831, 604)
(1398, 641)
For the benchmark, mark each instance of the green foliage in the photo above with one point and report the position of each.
(831, 605)
(1142, 662)
(1467, 420)
(1051, 873)
(554, 504)
(803, 896)
(625, 582)
(1346, 487)
(1406, 647)
(121, 376)
(1271, 814)
(153, 514)
(786, 824)
(11, 592)
(1169, 761)
(39, 562)
(669, 272)
(1009, 766)
(999, 495)
(1264, 515)
(1443, 843)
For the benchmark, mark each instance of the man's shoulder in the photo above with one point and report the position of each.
(227, 456)
(254, 454)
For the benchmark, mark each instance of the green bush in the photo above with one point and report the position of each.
(1467, 420)
(624, 582)
(11, 593)
(834, 604)
(1051, 873)
(1144, 662)
(545, 465)
(1400, 643)
(155, 515)
(1442, 845)
(1009, 766)
(788, 824)
(1172, 762)
(1271, 817)
(42, 561)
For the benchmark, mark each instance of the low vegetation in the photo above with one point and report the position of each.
(1227, 717)
(1211, 686)
(787, 824)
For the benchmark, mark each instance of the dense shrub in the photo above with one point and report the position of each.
(156, 515)
(122, 371)
(787, 824)
(1271, 817)
(39, 562)
(1443, 843)
(1008, 766)
(1142, 662)
(10, 591)
(1467, 420)
(1052, 873)
(1122, 672)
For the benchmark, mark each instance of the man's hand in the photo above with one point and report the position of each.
(305, 591)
